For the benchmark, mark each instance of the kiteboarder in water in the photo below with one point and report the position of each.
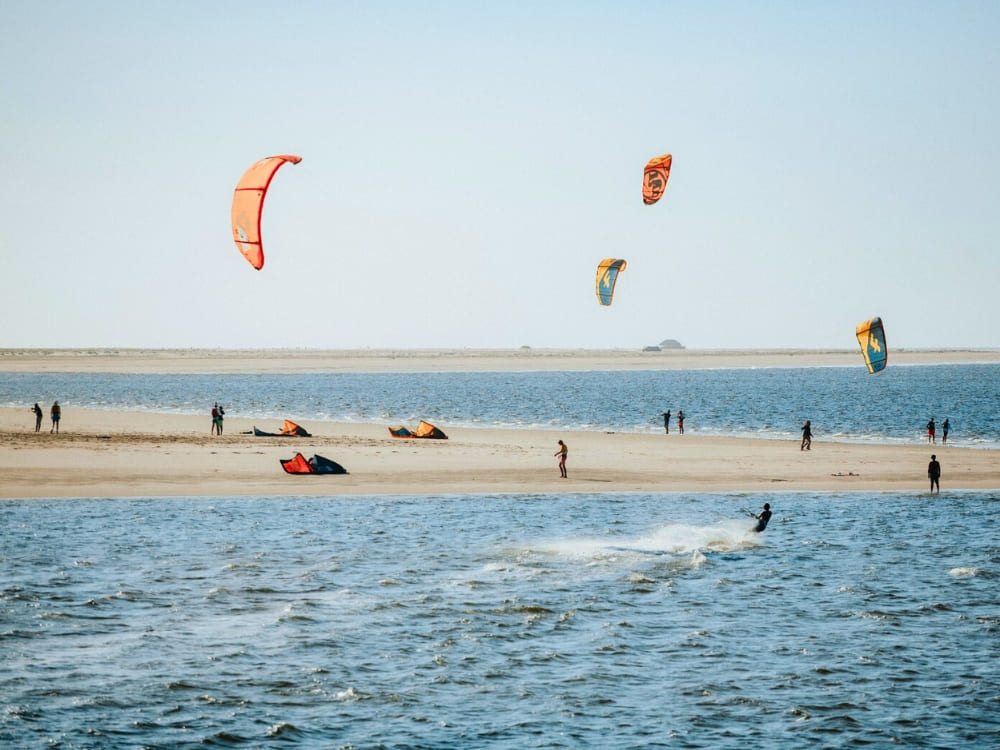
(762, 518)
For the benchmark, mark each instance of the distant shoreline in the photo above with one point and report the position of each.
(234, 361)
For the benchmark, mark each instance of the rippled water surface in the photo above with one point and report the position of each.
(843, 403)
(509, 621)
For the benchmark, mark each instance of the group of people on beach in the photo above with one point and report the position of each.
(55, 412)
(680, 421)
(933, 468)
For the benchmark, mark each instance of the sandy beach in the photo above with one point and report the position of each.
(137, 454)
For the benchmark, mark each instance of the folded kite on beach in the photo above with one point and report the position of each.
(299, 464)
(289, 429)
(424, 430)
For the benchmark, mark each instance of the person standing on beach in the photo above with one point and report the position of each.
(215, 419)
(930, 431)
(666, 421)
(56, 413)
(38, 416)
(807, 436)
(563, 450)
(680, 421)
(944, 430)
(222, 414)
(934, 473)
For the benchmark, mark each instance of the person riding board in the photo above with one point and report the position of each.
(762, 518)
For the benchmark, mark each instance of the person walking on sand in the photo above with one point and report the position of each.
(930, 432)
(680, 421)
(38, 416)
(563, 450)
(56, 413)
(762, 518)
(934, 473)
(666, 421)
(807, 436)
(945, 426)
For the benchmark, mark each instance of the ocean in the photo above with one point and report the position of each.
(502, 621)
(625, 620)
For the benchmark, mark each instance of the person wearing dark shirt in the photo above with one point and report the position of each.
(666, 421)
(934, 473)
(762, 518)
(807, 436)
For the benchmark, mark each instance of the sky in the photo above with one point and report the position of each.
(466, 166)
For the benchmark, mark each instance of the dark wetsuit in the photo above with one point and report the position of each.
(762, 520)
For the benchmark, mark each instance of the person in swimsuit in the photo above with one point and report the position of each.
(807, 436)
(930, 431)
(666, 421)
(762, 518)
(563, 450)
(680, 422)
(945, 426)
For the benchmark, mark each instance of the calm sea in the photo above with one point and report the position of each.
(843, 403)
(514, 621)
(527, 621)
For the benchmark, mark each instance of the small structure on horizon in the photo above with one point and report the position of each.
(671, 344)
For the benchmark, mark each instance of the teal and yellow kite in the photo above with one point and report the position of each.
(607, 276)
(871, 336)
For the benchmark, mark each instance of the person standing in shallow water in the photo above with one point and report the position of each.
(945, 426)
(930, 432)
(934, 473)
(807, 436)
(680, 421)
(563, 450)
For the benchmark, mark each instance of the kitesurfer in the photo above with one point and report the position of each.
(807, 436)
(563, 450)
(934, 473)
(762, 518)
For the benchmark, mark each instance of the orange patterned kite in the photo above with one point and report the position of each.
(654, 178)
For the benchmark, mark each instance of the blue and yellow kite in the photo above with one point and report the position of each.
(871, 336)
(607, 276)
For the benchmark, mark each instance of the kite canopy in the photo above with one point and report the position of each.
(248, 204)
(654, 178)
(607, 277)
(871, 337)
(290, 429)
(424, 430)
(315, 465)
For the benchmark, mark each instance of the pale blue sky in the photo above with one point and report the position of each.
(467, 165)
